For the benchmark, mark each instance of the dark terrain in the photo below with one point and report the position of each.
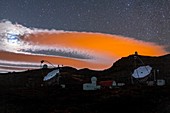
(26, 92)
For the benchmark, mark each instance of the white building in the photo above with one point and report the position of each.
(160, 82)
(91, 86)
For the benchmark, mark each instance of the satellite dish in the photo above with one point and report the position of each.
(142, 71)
(51, 74)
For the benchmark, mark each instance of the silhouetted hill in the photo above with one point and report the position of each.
(26, 92)
(124, 67)
(120, 71)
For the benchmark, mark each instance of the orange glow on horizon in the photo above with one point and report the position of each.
(55, 60)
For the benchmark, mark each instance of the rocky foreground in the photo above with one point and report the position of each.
(26, 92)
(55, 100)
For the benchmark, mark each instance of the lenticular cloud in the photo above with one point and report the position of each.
(15, 38)
(23, 48)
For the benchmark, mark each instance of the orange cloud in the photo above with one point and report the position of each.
(76, 49)
(110, 45)
(104, 48)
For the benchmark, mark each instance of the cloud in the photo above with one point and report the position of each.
(77, 49)
(60, 52)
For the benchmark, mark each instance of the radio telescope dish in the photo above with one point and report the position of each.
(51, 74)
(142, 71)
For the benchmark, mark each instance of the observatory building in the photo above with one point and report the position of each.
(91, 86)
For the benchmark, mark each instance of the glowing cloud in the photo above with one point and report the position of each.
(77, 49)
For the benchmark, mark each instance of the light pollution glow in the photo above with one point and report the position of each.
(77, 49)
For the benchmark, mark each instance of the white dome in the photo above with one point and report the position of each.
(93, 79)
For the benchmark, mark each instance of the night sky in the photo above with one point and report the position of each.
(147, 20)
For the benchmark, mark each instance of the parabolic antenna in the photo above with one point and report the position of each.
(51, 74)
(142, 71)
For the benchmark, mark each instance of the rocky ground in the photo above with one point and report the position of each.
(55, 100)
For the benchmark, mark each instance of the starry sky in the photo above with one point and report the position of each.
(147, 20)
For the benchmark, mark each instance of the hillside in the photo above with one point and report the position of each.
(26, 92)
(120, 71)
